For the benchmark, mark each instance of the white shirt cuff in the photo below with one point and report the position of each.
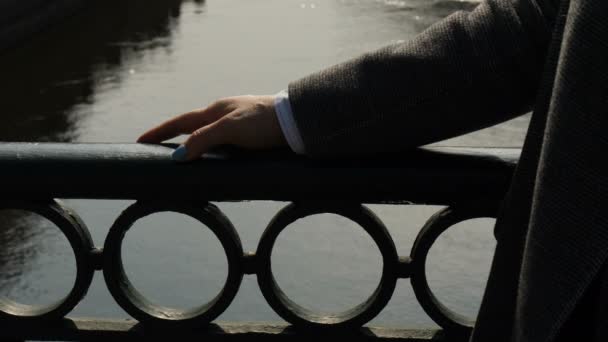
(282, 107)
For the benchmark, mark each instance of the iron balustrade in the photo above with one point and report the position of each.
(469, 182)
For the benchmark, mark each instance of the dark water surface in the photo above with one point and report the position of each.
(122, 66)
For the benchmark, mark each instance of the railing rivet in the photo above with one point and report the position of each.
(250, 263)
(405, 267)
(97, 258)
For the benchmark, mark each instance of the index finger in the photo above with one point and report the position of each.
(183, 124)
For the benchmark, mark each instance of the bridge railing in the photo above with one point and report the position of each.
(469, 182)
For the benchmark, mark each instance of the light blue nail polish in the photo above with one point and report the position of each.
(180, 153)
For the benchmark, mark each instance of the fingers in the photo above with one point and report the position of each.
(184, 124)
(202, 140)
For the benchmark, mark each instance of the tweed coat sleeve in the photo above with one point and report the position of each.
(469, 71)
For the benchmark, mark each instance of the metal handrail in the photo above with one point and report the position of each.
(470, 182)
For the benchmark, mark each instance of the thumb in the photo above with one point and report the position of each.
(199, 142)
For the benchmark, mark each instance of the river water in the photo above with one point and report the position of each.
(120, 67)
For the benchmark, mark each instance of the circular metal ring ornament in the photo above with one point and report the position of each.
(434, 227)
(134, 303)
(302, 317)
(81, 243)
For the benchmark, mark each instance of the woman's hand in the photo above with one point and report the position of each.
(246, 121)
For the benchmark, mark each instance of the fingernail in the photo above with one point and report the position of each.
(180, 153)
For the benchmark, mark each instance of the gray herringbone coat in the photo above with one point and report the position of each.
(477, 69)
